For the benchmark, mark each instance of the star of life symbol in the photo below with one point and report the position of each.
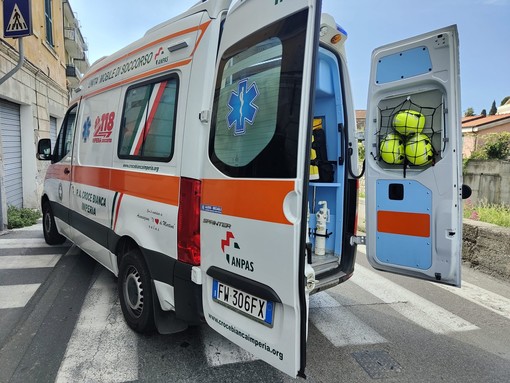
(86, 129)
(242, 108)
(17, 22)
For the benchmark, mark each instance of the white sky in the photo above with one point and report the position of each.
(484, 28)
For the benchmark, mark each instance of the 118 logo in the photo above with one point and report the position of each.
(103, 128)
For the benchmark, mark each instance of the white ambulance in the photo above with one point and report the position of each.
(185, 165)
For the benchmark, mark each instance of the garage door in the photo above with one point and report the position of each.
(10, 128)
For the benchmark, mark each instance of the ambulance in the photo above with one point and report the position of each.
(185, 166)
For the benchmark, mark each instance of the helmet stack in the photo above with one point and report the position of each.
(407, 140)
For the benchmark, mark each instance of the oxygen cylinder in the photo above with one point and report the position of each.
(320, 228)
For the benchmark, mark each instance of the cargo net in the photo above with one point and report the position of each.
(407, 137)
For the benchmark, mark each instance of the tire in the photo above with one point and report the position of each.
(135, 292)
(51, 234)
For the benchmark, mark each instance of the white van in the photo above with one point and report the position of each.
(185, 165)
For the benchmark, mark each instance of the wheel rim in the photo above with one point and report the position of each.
(133, 291)
(47, 222)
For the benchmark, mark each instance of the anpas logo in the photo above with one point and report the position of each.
(160, 56)
(232, 259)
(242, 108)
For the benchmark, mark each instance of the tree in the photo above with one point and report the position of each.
(503, 102)
(483, 113)
(469, 112)
(493, 110)
(496, 146)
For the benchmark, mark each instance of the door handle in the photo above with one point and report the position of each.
(67, 171)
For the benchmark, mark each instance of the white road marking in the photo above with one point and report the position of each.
(36, 228)
(415, 308)
(220, 351)
(102, 348)
(338, 324)
(487, 299)
(16, 296)
(28, 261)
(22, 243)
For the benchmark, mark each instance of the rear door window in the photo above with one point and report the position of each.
(257, 103)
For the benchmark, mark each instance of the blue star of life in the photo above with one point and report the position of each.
(242, 108)
(86, 129)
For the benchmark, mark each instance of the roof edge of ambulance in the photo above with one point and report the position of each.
(213, 8)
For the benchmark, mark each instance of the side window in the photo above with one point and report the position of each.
(148, 121)
(49, 21)
(257, 100)
(64, 142)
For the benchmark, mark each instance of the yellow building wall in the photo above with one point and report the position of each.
(50, 60)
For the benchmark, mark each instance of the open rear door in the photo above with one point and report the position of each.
(253, 191)
(413, 151)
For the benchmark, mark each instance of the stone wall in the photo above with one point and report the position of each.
(487, 247)
(489, 181)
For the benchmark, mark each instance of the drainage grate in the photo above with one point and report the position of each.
(377, 364)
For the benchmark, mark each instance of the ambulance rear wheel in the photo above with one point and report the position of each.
(51, 234)
(135, 293)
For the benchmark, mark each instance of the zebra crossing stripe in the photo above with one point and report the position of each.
(28, 261)
(102, 348)
(220, 351)
(415, 308)
(487, 299)
(338, 324)
(22, 243)
(16, 296)
(35, 228)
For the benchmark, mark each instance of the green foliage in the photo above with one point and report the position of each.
(490, 213)
(469, 112)
(496, 147)
(483, 113)
(21, 217)
(361, 151)
(493, 110)
(503, 102)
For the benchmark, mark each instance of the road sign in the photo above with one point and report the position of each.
(17, 18)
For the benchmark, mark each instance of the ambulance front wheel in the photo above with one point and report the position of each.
(134, 285)
(51, 234)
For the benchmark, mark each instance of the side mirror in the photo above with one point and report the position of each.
(44, 149)
(466, 192)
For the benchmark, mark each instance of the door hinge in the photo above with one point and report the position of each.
(310, 278)
(204, 116)
(358, 240)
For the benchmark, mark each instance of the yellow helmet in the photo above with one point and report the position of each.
(392, 149)
(419, 150)
(409, 122)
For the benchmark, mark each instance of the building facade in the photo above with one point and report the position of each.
(34, 99)
(476, 128)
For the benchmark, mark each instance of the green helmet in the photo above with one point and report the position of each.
(409, 122)
(419, 150)
(392, 149)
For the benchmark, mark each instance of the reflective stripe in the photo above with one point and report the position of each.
(254, 199)
(395, 222)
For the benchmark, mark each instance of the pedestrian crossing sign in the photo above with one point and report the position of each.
(17, 18)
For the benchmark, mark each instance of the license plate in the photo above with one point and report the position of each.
(244, 303)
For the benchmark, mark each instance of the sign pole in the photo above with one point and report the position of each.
(21, 60)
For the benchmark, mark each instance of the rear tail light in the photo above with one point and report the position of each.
(188, 222)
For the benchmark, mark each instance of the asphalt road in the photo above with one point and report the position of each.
(65, 324)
